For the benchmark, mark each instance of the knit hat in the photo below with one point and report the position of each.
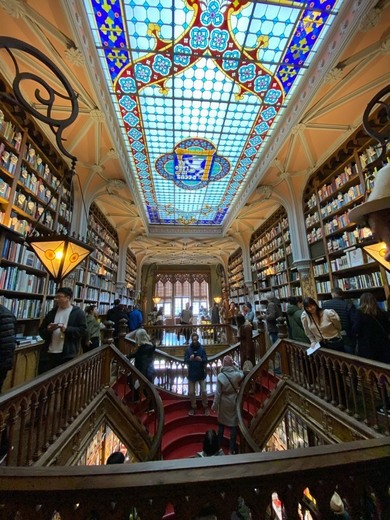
(336, 504)
(227, 361)
(378, 199)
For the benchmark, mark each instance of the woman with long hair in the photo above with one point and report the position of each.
(372, 327)
(322, 325)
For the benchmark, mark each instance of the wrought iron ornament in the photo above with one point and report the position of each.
(45, 94)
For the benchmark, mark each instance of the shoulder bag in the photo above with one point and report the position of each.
(336, 343)
(230, 381)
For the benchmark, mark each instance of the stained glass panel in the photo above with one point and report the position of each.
(198, 86)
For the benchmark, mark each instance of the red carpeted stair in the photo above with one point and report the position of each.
(183, 434)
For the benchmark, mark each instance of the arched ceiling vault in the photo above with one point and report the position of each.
(351, 66)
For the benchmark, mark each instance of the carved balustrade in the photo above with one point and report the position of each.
(358, 470)
(349, 383)
(36, 414)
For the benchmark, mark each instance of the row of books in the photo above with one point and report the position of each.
(10, 132)
(20, 254)
(334, 205)
(362, 281)
(102, 233)
(337, 223)
(314, 235)
(320, 269)
(8, 160)
(266, 248)
(23, 309)
(312, 219)
(5, 189)
(337, 182)
(16, 279)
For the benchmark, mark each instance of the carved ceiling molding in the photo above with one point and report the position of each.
(75, 56)
(77, 17)
(14, 8)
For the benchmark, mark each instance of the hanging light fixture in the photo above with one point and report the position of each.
(60, 254)
(156, 300)
(378, 252)
(217, 299)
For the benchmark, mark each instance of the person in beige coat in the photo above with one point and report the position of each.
(225, 400)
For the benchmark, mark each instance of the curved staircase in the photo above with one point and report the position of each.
(183, 434)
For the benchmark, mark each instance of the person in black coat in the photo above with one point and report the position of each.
(372, 327)
(346, 311)
(144, 355)
(7, 342)
(7, 350)
(62, 328)
(196, 358)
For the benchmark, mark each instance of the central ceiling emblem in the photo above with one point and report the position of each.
(193, 164)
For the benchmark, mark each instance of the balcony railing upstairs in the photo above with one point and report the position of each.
(346, 383)
(358, 470)
(171, 371)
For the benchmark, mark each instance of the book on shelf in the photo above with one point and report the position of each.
(355, 257)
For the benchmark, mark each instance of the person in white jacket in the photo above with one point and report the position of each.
(225, 400)
(322, 325)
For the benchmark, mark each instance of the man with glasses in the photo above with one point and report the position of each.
(62, 329)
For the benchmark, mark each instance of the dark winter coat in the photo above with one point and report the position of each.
(144, 360)
(274, 311)
(196, 369)
(115, 314)
(294, 314)
(7, 338)
(75, 331)
(372, 336)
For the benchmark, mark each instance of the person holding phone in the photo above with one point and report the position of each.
(196, 358)
(62, 329)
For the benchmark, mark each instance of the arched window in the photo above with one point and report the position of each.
(176, 289)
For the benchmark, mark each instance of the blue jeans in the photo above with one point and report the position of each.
(273, 337)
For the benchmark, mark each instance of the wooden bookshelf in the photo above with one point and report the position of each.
(335, 243)
(238, 290)
(271, 260)
(34, 194)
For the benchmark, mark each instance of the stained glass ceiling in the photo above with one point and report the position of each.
(198, 87)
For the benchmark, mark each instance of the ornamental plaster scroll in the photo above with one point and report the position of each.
(14, 8)
(97, 115)
(308, 285)
(385, 47)
(266, 191)
(370, 20)
(334, 75)
(75, 56)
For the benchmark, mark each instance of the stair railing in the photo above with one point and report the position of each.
(304, 480)
(34, 414)
(354, 385)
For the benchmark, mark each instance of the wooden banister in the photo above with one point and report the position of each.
(76, 492)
